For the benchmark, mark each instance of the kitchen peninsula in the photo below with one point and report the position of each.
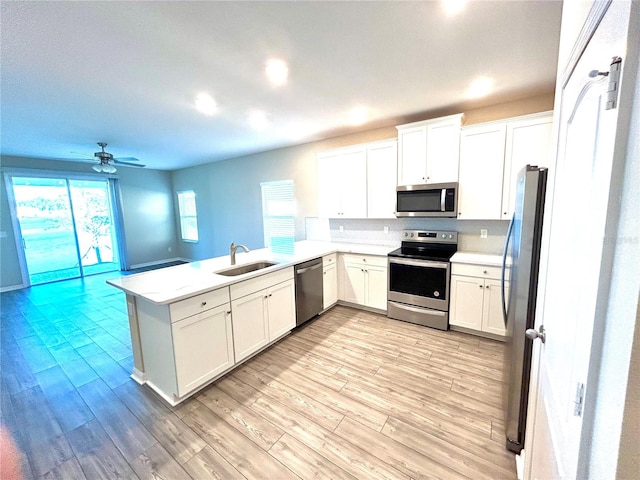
(192, 323)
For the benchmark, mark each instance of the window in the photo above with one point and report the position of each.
(188, 215)
(278, 212)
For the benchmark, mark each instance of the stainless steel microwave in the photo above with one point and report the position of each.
(429, 200)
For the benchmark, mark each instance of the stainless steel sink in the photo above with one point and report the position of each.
(246, 268)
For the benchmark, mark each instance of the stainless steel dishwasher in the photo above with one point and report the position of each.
(308, 290)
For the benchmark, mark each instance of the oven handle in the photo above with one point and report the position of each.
(443, 198)
(420, 263)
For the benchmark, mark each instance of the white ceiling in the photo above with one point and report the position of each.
(127, 73)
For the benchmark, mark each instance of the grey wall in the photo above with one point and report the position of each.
(148, 217)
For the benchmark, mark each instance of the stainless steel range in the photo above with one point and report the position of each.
(419, 277)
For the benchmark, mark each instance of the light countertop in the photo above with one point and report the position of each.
(171, 284)
(477, 258)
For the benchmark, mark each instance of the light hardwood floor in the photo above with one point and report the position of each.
(351, 395)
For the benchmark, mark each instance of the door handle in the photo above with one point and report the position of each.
(532, 333)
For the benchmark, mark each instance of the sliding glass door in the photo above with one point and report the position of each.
(66, 226)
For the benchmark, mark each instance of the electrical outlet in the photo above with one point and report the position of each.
(168, 249)
(483, 233)
(341, 228)
(386, 229)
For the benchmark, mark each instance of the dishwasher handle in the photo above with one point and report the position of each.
(303, 270)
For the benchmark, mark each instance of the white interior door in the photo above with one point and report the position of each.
(570, 288)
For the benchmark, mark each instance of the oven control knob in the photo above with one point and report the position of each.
(411, 234)
(436, 294)
(450, 235)
(444, 235)
(406, 234)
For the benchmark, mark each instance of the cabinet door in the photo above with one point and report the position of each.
(354, 287)
(467, 295)
(443, 151)
(528, 142)
(250, 326)
(382, 160)
(352, 175)
(329, 185)
(481, 172)
(492, 319)
(376, 286)
(329, 286)
(412, 155)
(282, 309)
(203, 347)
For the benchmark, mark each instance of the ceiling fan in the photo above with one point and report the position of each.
(106, 160)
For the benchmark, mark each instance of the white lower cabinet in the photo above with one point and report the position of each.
(476, 299)
(189, 343)
(364, 280)
(329, 281)
(185, 344)
(263, 315)
(250, 324)
(203, 347)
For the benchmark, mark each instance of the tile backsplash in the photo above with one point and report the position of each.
(372, 231)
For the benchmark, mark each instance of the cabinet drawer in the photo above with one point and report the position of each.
(366, 259)
(199, 303)
(253, 285)
(481, 271)
(329, 259)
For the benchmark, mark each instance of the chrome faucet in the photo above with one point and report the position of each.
(232, 251)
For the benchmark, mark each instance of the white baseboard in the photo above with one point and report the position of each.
(12, 287)
(158, 262)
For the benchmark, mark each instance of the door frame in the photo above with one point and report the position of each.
(114, 195)
(604, 362)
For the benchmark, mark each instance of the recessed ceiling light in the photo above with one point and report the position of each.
(480, 87)
(358, 115)
(258, 120)
(206, 104)
(453, 7)
(277, 71)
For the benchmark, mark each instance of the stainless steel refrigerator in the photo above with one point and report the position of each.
(522, 247)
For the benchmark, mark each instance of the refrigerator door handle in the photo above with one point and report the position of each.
(504, 267)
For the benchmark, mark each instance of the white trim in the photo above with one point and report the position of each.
(139, 377)
(594, 17)
(158, 262)
(12, 287)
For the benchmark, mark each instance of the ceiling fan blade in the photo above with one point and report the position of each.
(82, 154)
(127, 159)
(118, 162)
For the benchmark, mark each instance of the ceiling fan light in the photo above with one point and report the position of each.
(109, 169)
(97, 168)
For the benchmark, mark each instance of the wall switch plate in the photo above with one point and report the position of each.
(168, 249)
(386, 229)
(341, 228)
(483, 233)
(3, 234)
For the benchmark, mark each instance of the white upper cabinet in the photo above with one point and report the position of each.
(358, 181)
(491, 156)
(481, 168)
(342, 183)
(528, 143)
(428, 151)
(382, 159)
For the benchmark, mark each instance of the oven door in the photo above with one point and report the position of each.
(423, 283)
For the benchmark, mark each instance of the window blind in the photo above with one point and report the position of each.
(278, 214)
